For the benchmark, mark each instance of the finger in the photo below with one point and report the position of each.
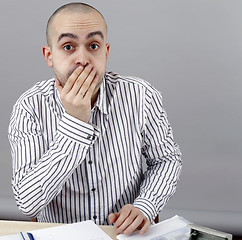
(85, 87)
(131, 222)
(83, 80)
(124, 213)
(113, 217)
(72, 79)
(145, 227)
(135, 223)
(92, 87)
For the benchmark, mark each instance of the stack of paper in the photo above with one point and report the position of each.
(173, 228)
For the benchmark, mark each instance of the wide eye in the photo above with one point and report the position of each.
(94, 46)
(68, 47)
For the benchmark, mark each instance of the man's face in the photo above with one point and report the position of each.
(77, 39)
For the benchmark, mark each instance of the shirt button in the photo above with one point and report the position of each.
(93, 189)
(90, 162)
(89, 136)
(95, 217)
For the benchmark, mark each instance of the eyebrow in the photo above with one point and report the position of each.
(69, 35)
(92, 34)
(74, 36)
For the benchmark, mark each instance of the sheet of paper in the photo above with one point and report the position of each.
(11, 237)
(173, 228)
(87, 230)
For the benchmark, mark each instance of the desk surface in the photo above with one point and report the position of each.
(12, 227)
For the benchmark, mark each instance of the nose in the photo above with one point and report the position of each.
(81, 57)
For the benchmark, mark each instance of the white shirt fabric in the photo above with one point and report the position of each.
(66, 170)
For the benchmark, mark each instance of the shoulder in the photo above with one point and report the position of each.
(116, 78)
(41, 90)
(145, 86)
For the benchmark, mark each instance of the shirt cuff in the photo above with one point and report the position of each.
(146, 207)
(78, 130)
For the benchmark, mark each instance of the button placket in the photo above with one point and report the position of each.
(92, 166)
(92, 186)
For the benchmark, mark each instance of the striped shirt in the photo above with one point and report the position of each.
(66, 170)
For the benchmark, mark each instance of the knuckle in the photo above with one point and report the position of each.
(85, 85)
(127, 207)
(80, 104)
(70, 81)
(136, 210)
(75, 104)
(140, 218)
(126, 211)
(119, 221)
(121, 228)
(131, 228)
(79, 81)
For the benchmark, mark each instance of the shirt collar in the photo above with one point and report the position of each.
(57, 96)
(101, 102)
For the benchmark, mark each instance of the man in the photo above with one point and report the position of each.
(77, 140)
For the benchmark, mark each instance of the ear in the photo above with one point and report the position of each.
(47, 55)
(107, 50)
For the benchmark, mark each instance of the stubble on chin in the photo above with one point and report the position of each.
(59, 77)
(100, 81)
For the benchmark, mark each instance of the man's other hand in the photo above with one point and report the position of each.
(128, 219)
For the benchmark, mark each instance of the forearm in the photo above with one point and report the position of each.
(37, 181)
(159, 185)
(163, 158)
(42, 183)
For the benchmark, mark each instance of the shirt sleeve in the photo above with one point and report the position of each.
(163, 159)
(40, 171)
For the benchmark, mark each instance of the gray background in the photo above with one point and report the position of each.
(191, 51)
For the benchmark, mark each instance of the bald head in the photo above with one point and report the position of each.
(76, 7)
